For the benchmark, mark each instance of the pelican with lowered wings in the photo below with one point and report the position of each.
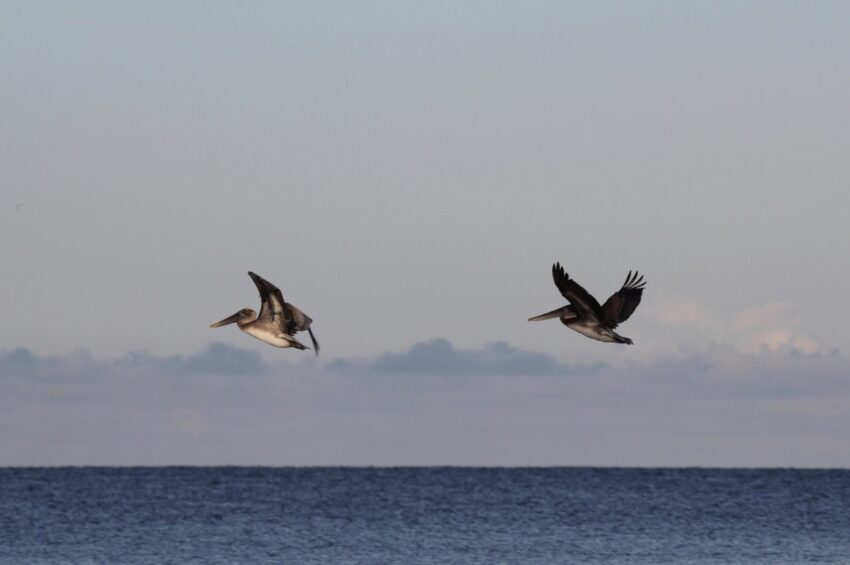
(277, 322)
(584, 314)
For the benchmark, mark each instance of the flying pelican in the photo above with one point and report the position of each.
(584, 314)
(278, 321)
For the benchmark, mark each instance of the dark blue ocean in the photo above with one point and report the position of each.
(423, 515)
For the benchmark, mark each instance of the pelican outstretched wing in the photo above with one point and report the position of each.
(581, 300)
(272, 308)
(298, 321)
(622, 303)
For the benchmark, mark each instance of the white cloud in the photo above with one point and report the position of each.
(770, 327)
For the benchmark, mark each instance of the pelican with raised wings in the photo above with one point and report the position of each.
(584, 314)
(277, 322)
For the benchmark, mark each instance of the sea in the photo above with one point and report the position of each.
(423, 515)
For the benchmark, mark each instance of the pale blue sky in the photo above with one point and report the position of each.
(410, 171)
(406, 171)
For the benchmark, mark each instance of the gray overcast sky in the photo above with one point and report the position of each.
(410, 171)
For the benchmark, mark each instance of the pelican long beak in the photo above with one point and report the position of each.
(229, 320)
(549, 315)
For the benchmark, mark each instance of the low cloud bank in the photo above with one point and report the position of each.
(434, 404)
(440, 357)
(435, 357)
(217, 359)
(711, 370)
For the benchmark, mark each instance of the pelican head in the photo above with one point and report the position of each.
(243, 316)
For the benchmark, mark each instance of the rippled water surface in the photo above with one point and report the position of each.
(423, 515)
